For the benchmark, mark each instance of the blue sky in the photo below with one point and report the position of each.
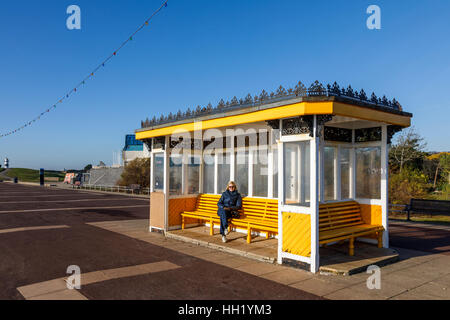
(199, 51)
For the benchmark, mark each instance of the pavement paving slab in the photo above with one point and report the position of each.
(258, 268)
(318, 286)
(288, 276)
(65, 295)
(42, 288)
(404, 279)
(413, 295)
(437, 290)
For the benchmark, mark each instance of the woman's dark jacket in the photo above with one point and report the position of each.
(231, 200)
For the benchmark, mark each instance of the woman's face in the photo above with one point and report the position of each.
(231, 187)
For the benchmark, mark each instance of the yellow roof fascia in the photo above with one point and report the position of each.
(287, 111)
(292, 110)
(349, 110)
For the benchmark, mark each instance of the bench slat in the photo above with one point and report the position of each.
(348, 231)
(340, 221)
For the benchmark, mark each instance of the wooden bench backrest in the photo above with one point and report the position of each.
(207, 202)
(265, 209)
(251, 207)
(339, 215)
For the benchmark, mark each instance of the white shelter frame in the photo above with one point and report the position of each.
(317, 145)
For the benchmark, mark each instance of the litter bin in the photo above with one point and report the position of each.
(16, 180)
(41, 177)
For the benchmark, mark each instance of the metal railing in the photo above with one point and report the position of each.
(398, 208)
(420, 210)
(116, 189)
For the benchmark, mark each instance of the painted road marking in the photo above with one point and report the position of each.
(24, 191)
(42, 191)
(43, 196)
(69, 209)
(57, 289)
(32, 229)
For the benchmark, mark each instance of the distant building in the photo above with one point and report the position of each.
(133, 149)
(6, 163)
(100, 165)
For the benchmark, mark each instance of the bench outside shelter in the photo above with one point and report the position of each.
(428, 207)
(311, 164)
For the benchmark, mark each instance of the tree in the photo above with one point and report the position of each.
(444, 163)
(409, 146)
(439, 167)
(136, 172)
(87, 168)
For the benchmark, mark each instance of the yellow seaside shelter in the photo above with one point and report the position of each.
(312, 164)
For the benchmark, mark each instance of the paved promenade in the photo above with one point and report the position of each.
(43, 231)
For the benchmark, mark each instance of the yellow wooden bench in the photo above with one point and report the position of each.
(256, 214)
(205, 210)
(342, 220)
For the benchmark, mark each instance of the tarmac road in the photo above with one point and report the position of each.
(411, 236)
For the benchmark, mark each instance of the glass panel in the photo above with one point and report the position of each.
(193, 174)
(158, 171)
(329, 178)
(175, 175)
(241, 175)
(368, 173)
(158, 143)
(275, 172)
(224, 169)
(260, 173)
(297, 173)
(345, 173)
(208, 174)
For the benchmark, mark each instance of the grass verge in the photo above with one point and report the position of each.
(423, 218)
(30, 175)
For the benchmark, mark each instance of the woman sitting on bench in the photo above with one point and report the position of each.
(230, 202)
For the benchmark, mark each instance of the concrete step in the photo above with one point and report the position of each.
(335, 259)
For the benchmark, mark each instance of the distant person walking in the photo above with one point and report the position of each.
(230, 201)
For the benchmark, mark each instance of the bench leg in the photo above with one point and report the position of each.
(267, 235)
(211, 227)
(182, 223)
(380, 239)
(351, 247)
(249, 235)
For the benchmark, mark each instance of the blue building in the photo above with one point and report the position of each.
(133, 149)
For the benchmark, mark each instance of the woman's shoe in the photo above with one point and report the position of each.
(224, 239)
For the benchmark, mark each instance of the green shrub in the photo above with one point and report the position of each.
(406, 185)
(136, 172)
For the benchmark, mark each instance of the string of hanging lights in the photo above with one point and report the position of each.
(90, 76)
